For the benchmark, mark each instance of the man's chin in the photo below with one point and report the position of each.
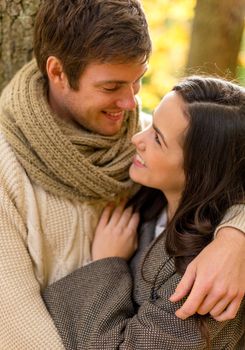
(111, 129)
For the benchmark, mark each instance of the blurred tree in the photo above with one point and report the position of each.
(16, 27)
(216, 37)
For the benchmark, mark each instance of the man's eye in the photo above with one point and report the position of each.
(137, 85)
(114, 88)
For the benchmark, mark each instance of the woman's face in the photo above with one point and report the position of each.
(158, 162)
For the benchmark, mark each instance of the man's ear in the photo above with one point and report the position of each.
(55, 72)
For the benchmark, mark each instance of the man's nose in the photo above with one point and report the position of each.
(127, 100)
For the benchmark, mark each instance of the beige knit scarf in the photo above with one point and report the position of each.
(62, 157)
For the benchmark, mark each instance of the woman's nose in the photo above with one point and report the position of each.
(138, 142)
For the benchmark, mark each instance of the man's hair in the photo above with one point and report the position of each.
(79, 32)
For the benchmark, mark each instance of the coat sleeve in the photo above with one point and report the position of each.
(93, 310)
(235, 217)
(24, 320)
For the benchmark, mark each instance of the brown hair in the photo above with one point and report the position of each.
(79, 32)
(214, 165)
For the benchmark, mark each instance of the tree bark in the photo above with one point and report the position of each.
(16, 35)
(216, 37)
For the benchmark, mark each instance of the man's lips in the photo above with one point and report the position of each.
(114, 116)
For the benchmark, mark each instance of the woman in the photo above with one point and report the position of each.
(193, 159)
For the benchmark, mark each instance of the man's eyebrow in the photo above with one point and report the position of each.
(160, 134)
(115, 81)
(103, 82)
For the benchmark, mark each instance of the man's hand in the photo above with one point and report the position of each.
(116, 233)
(215, 279)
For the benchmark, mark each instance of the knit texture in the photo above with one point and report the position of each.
(34, 238)
(43, 236)
(64, 158)
(103, 306)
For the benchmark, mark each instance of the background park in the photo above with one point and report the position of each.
(189, 37)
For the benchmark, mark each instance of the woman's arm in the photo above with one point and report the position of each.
(93, 307)
(93, 310)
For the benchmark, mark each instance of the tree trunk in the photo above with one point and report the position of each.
(216, 37)
(16, 31)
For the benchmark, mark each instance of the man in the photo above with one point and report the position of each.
(66, 123)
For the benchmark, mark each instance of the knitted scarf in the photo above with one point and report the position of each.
(62, 157)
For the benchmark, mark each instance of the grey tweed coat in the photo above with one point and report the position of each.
(109, 305)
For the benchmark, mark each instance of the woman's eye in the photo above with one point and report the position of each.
(157, 138)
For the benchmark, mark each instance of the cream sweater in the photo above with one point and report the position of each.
(40, 243)
(41, 240)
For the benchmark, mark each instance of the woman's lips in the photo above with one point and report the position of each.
(138, 161)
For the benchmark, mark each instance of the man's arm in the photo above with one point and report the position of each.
(24, 320)
(215, 279)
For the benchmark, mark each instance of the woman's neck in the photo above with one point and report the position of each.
(173, 203)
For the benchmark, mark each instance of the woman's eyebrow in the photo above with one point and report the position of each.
(160, 134)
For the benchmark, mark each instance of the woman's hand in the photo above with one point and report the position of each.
(116, 233)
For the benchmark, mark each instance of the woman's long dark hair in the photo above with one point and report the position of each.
(214, 166)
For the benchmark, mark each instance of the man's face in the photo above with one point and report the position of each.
(106, 91)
